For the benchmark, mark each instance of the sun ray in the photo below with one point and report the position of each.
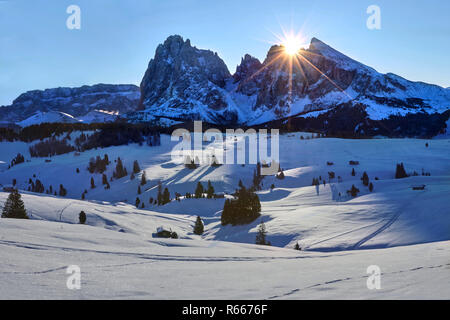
(328, 78)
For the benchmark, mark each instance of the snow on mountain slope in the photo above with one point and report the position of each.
(392, 215)
(99, 116)
(48, 117)
(75, 101)
(36, 254)
(182, 81)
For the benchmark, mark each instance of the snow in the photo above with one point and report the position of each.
(51, 117)
(36, 254)
(405, 232)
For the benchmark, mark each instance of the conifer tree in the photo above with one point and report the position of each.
(365, 179)
(261, 235)
(400, 172)
(210, 190)
(137, 202)
(92, 183)
(143, 179)
(136, 167)
(199, 227)
(14, 207)
(104, 179)
(199, 190)
(121, 171)
(159, 198)
(166, 196)
(82, 217)
(63, 191)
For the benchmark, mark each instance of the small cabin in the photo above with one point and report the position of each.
(419, 187)
(163, 232)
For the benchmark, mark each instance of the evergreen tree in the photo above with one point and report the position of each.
(143, 179)
(139, 190)
(104, 179)
(199, 227)
(353, 191)
(371, 187)
(261, 235)
(63, 191)
(120, 171)
(365, 179)
(243, 210)
(166, 196)
(297, 247)
(400, 172)
(82, 217)
(136, 168)
(210, 190)
(92, 183)
(199, 190)
(137, 202)
(14, 207)
(353, 172)
(159, 198)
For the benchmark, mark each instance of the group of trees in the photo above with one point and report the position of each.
(104, 135)
(17, 160)
(98, 165)
(50, 147)
(200, 191)
(38, 187)
(244, 209)
(120, 171)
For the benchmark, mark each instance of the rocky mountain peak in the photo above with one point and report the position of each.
(180, 79)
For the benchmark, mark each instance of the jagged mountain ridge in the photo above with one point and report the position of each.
(185, 82)
(77, 102)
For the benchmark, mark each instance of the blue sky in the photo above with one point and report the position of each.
(118, 38)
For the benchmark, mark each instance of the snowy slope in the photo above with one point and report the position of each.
(48, 117)
(392, 215)
(405, 232)
(36, 254)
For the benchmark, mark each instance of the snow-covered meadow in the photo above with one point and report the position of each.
(404, 232)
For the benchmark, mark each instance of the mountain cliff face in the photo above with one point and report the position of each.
(185, 82)
(77, 102)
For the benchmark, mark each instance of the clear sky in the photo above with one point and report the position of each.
(118, 37)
